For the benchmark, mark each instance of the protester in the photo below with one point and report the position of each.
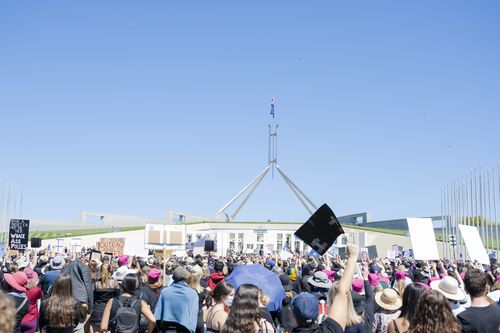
(390, 303)
(61, 312)
(105, 288)
(177, 306)
(55, 266)
(218, 302)
(411, 297)
(123, 313)
(449, 287)
(434, 315)
(244, 315)
(34, 294)
(15, 286)
(482, 315)
(7, 314)
(194, 282)
(217, 276)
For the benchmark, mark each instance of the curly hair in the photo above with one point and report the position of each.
(7, 314)
(244, 313)
(434, 315)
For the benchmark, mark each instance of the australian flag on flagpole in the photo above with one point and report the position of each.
(272, 107)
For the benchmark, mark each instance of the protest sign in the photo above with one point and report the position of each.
(135, 247)
(474, 244)
(391, 255)
(285, 255)
(159, 236)
(76, 245)
(363, 253)
(423, 239)
(18, 234)
(96, 256)
(3, 248)
(113, 245)
(59, 248)
(321, 230)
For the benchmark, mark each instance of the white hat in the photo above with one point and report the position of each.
(121, 272)
(22, 263)
(448, 286)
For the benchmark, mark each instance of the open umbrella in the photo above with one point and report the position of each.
(257, 275)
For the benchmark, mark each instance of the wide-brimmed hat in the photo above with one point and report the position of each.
(320, 280)
(121, 272)
(388, 299)
(18, 281)
(30, 274)
(22, 262)
(448, 286)
(57, 263)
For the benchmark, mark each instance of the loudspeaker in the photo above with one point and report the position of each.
(209, 245)
(36, 242)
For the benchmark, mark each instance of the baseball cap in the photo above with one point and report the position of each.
(305, 308)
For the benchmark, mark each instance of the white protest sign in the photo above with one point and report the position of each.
(285, 255)
(391, 255)
(363, 253)
(76, 245)
(474, 244)
(135, 247)
(423, 239)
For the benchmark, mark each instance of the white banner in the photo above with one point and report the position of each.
(474, 244)
(423, 240)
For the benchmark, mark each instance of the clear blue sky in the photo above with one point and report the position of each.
(139, 107)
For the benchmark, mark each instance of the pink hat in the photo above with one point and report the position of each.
(30, 274)
(433, 278)
(18, 281)
(442, 275)
(154, 275)
(123, 260)
(426, 287)
(374, 279)
(384, 279)
(357, 285)
(462, 275)
(498, 277)
(400, 275)
(330, 274)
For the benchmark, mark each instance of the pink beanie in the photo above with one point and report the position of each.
(400, 275)
(357, 285)
(374, 279)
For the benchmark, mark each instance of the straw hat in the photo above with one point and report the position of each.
(388, 299)
(448, 286)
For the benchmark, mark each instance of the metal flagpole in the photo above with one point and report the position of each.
(496, 221)
(488, 246)
(448, 218)
(249, 194)
(442, 222)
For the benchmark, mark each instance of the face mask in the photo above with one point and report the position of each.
(228, 301)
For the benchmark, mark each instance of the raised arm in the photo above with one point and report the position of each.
(338, 310)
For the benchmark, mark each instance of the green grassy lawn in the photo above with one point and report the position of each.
(381, 230)
(50, 234)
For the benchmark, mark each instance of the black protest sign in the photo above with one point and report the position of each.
(18, 234)
(321, 230)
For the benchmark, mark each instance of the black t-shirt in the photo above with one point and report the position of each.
(480, 319)
(327, 326)
(18, 301)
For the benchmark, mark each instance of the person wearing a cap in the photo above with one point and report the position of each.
(33, 293)
(50, 276)
(178, 304)
(320, 284)
(306, 305)
(390, 303)
(150, 291)
(482, 315)
(285, 315)
(15, 287)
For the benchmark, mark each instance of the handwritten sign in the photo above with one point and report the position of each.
(18, 234)
(113, 245)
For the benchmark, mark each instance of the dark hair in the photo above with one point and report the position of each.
(475, 282)
(61, 304)
(306, 270)
(244, 312)
(434, 315)
(411, 297)
(215, 296)
(130, 283)
(218, 266)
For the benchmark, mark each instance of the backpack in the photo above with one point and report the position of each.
(126, 319)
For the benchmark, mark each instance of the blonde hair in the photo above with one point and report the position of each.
(400, 287)
(352, 317)
(194, 281)
(263, 298)
(7, 314)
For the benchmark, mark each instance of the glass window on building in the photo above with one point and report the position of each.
(198, 236)
(189, 238)
(279, 242)
(260, 237)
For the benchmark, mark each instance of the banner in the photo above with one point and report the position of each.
(112, 245)
(18, 234)
(423, 240)
(474, 244)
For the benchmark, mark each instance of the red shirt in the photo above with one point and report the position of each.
(33, 295)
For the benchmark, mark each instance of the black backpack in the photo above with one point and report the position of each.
(126, 319)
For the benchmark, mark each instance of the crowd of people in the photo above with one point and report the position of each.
(61, 293)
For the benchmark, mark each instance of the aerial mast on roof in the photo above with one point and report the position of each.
(272, 164)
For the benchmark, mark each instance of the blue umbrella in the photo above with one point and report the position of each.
(261, 277)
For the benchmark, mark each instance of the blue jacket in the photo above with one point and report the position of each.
(179, 304)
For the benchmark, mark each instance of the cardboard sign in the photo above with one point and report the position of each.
(96, 256)
(18, 234)
(112, 245)
(321, 230)
(159, 236)
(423, 239)
(474, 244)
(363, 253)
